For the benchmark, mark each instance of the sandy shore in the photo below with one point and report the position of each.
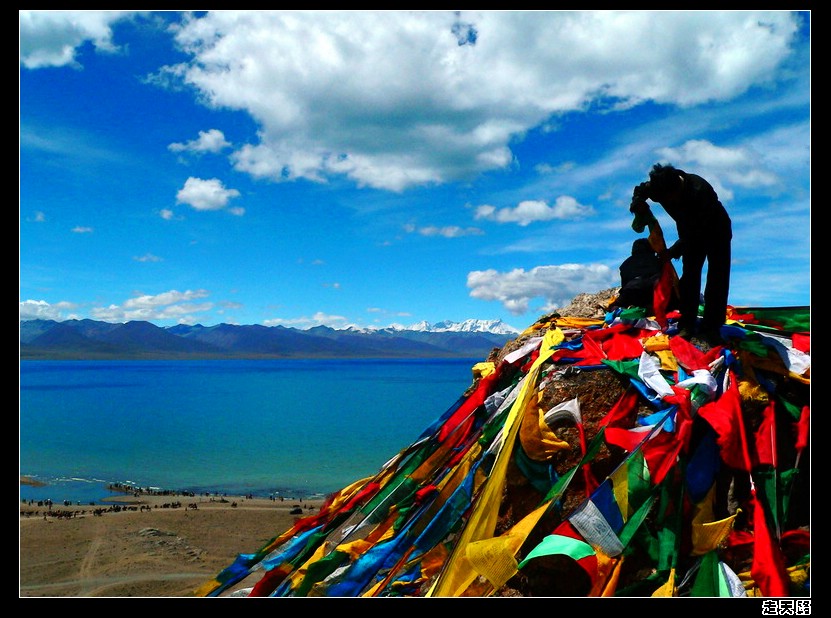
(156, 546)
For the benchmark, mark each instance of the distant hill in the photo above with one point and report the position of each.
(91, 339)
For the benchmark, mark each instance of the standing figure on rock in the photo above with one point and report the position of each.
(704, 233)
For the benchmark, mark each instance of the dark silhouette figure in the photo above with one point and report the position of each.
(704, 234)
(638, 275)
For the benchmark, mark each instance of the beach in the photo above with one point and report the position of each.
(147, 545)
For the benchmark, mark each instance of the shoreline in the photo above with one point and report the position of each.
(173, 501)
(144, 545)
(90, 492)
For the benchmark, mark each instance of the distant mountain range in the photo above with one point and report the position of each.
(91, 340)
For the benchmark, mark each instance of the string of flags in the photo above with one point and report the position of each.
(589, 457)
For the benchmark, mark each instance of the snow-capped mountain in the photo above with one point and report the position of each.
(496, 327)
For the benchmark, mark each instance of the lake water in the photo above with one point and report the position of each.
(295, 428)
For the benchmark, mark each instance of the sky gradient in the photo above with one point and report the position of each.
(372, 168)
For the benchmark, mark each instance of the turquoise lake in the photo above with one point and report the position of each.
(267, 427)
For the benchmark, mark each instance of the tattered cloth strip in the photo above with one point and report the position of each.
(700, 460)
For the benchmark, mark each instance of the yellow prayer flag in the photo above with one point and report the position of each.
(538, 441)
(495, 558)
(708, 535)
(667, 589)
(483, 370)
(458, 573)
(608, 575)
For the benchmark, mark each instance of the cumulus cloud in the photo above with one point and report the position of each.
(148, 301)
(42, 310)
(556, 285)
(202, 194)
(81, 229)
(212, 141)
(172, 305)
(394, 99)
(529, 211)
(52, 38)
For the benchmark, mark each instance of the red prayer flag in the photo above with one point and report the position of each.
(624, 410)
(768, 568)
(269, 582)
(589, 563)
(747, 318)
(662, 293)
(465, 411)
(661, 455)
(619, 341)
(660, 451)
(766, 437)
(802, 429)
(627, 439)
(689, 356)
(802, 342)
(725, 416)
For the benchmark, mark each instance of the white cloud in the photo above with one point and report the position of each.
(393, 99)
(228, 304)
(165, 298)
(40, 309)
(212, 141)
(147, 257)
(737, 165)
(786, 148)
(555, 284)
(52, 38)
(318, 319)
(70, 146)
(80, 229)
(447, 231)
(202, 194)
(529, 211)
(172, 305)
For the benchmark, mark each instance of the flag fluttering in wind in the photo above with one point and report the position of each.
(590, 457)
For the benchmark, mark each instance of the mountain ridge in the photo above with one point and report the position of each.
(97, 340)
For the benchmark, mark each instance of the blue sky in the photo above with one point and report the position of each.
(375, 168)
